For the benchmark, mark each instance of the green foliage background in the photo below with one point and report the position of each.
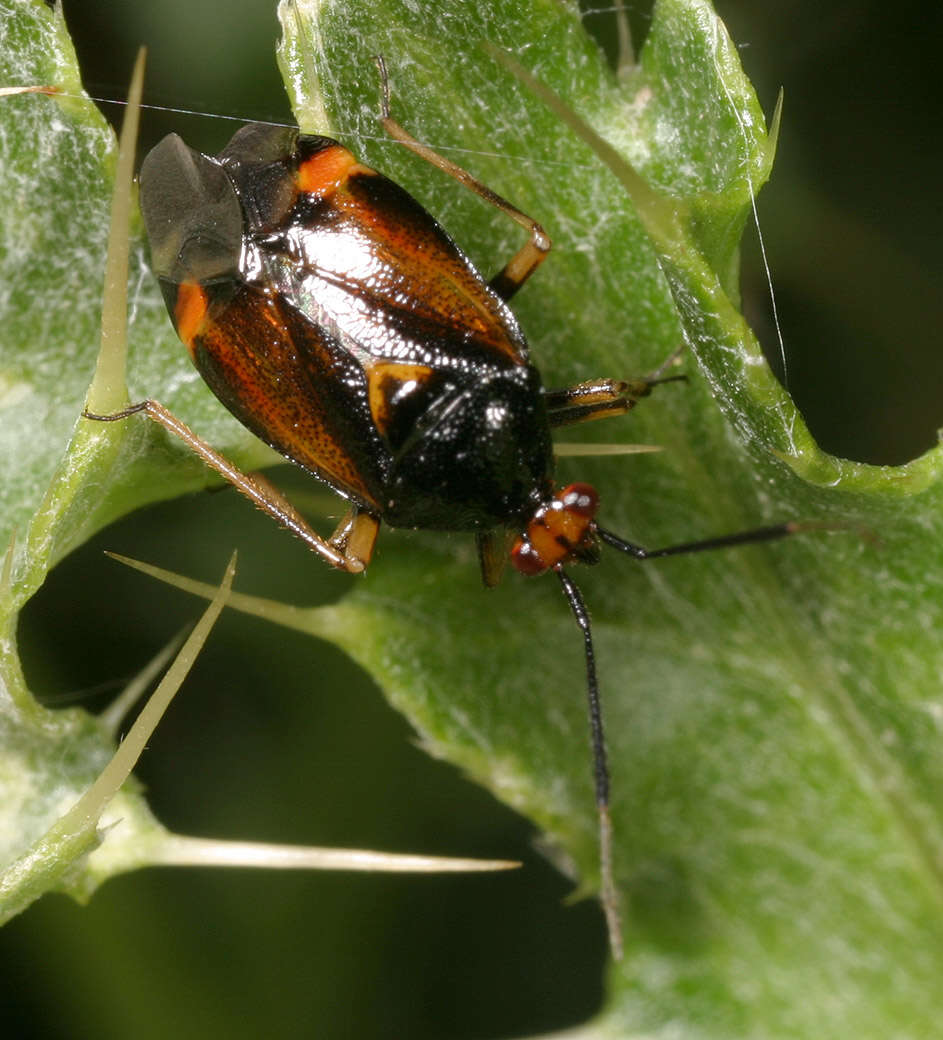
(780, 857)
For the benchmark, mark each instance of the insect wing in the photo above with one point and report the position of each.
(282, 376)
(352, 250)
(192, 215)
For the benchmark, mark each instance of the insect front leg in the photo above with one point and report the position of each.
(349, 548)
(598, 399)
(529, 257)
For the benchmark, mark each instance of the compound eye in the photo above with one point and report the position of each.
(580, 499)
(525, 558)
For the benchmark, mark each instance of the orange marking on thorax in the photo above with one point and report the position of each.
(326, 171)
(190, 312)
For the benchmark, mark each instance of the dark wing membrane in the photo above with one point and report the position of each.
(287, 381)
(192, 214)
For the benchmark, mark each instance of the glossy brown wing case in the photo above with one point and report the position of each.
(337, 320)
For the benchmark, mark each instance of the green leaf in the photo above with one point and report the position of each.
(769, 710)
(772, 712)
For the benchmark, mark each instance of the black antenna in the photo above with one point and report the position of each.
(756, 534)
(609, 895)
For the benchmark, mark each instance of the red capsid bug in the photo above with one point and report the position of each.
(335, 318)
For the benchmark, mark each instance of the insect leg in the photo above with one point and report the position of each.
(529, 257)
(356, 534)
(593, 400)
(350, 547)
(608, 894)
(494, 547)
(599, 399)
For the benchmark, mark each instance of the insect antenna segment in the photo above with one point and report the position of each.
(608, 893)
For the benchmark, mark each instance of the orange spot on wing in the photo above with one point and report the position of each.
(190, 312)
(387, 382)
